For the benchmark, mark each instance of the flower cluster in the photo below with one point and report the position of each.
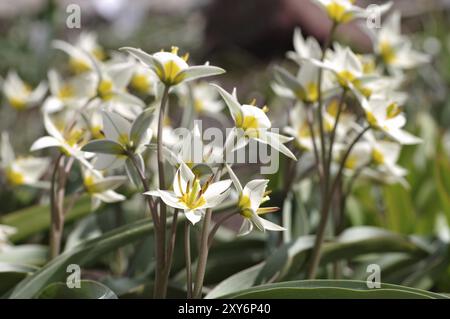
(340, 94)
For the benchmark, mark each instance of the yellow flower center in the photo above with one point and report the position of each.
(17, 103)
(249, 124)
(377, 157)
(351, 162)
(193, 197)
(393, 110)
(99, 53)
(371, 119)
(97, 132)
(244, 205)
(89, 182)
(387, 52)
(78, 65)
(338, 13)
(198, 105)
(345, 78)
(123, 139)
(14, 177)
(170, 73)
(140, 83)
(105, 89)
(66, 92)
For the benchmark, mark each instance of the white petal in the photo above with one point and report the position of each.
(115, 125)
(51, 128)
(234, 178)
(6, 150)
(230, 101)
(404, 137)
(167, 197)
(270, 226)
(45, 142)
(254, 190)
(246, 227)
(194, 216)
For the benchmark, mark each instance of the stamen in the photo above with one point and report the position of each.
(179, 183)
(174, 50)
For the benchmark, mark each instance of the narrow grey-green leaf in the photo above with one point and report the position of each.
(88, 290)
(104, 147)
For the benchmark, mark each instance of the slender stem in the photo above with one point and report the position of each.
(333, 132)
(204, 247)
(203, 255)
(187, 252)
(317, 249)
(151, 204)
(55, 230)
(216, 227)
(171, 248)
(344, 159)
(310, 120)
(320, 104)
(159, 291)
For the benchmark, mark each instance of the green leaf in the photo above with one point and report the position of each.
(400, 214)
(197, 72)
(11, 274)
(332, 289)
(442, 178)
(36, 219)
(88, 290)
(104, 147)
(289, 260)
(34, 255)
(239, 281)
(141, 125)
(83, 254)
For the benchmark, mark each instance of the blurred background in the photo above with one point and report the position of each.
(247, 38)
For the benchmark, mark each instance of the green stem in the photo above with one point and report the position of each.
(317, 248)
(55, 230)
(204, 247)
(333, 132)
(160, 281)
(216, 227)
(187, 252)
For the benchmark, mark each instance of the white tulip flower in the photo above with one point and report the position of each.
(343, 11)
(386, 116)
(171, 68)
(83, 54)
(299, 127)
(22, 170)
(251, 197)
(100, 188)
(395, 49)
(254, 124)
(308, 48)
(190, 196)
(123, 143)
(73, 93)
(19, 94)
(66, 135)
